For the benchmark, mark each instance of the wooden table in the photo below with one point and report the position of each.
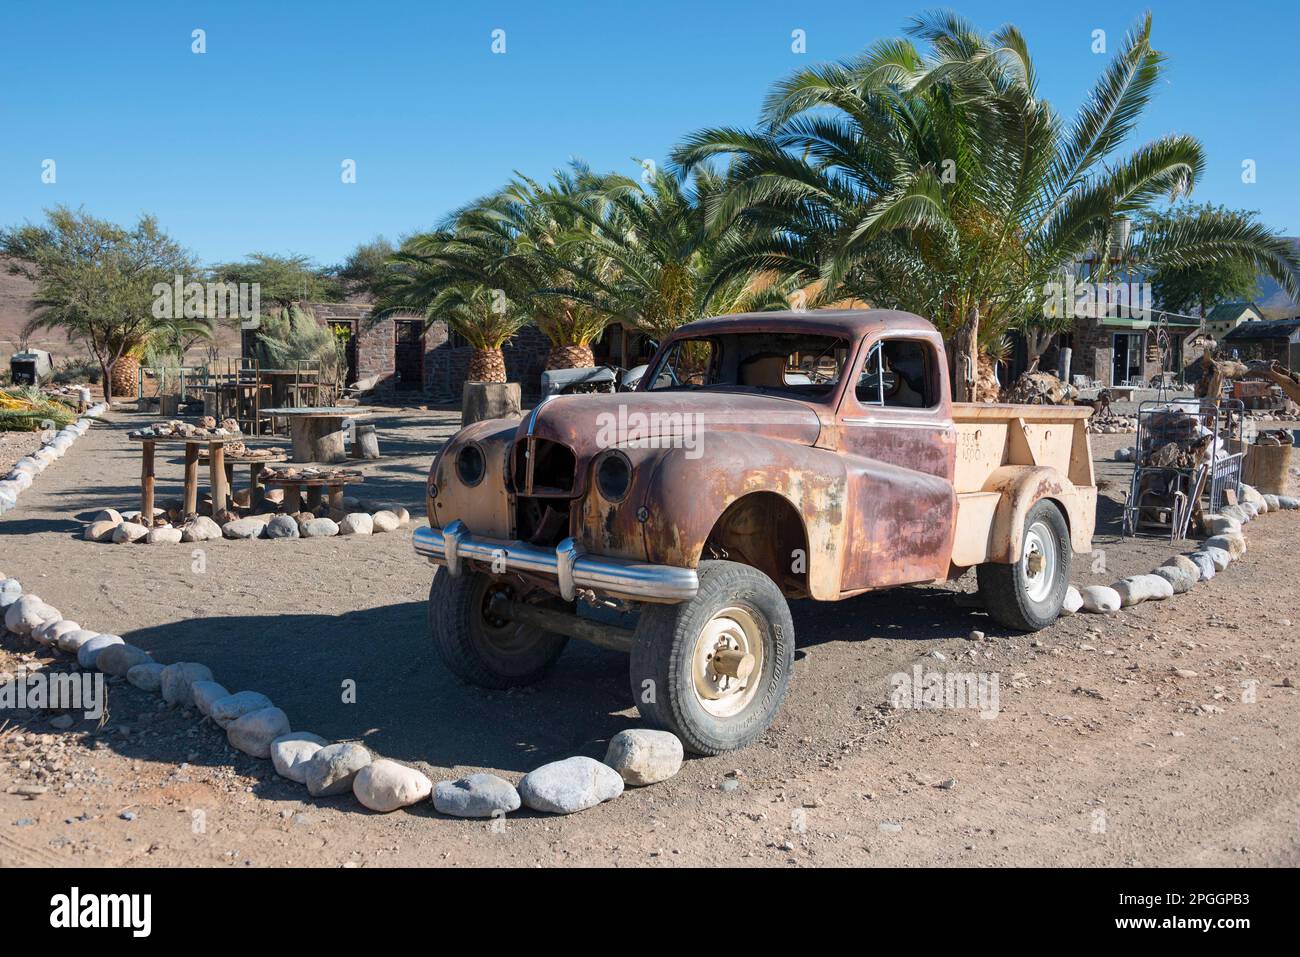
(255, 463)
(317, 431)
(216, 470)
(293, 490)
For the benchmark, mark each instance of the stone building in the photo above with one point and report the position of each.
(408, 358)
(1125, 351)
(1276, 340)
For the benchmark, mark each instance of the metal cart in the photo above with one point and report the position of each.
(1187, 450)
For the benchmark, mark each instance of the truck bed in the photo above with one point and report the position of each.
(991, 437)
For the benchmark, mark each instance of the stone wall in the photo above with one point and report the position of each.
(446, 365)
(377, 350)
(446, 358)
(376, 344)
(1094, 351)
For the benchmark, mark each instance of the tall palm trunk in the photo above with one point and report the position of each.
(487, 365)
(964, 353)
(986, 383)
(570, 357)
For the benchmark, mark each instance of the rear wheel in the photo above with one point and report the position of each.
(1027, 595)
(480, 647)
(714, 670)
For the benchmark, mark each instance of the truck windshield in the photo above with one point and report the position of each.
(785, 363)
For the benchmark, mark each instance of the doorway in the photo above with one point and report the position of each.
(345, 331)
(1127, 363)
(408, 358)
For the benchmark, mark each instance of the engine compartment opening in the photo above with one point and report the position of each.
(542, 521)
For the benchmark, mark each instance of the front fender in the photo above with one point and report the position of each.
(484, 508)
(690, 489)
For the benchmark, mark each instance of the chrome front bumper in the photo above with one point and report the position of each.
(453, 546)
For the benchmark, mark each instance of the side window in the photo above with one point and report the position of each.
(870, 388)
(898, 374)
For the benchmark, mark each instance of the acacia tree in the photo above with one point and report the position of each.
(95, 280)
(282, 280)
(937, 180)
(364, 267)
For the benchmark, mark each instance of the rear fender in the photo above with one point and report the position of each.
(1020, 488)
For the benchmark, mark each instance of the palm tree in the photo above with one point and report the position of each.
(486, 321)
(659, 249)
(941, 183)
(450, 275)
(544, 255)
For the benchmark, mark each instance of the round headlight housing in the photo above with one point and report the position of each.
(613, 476)
(470, 465)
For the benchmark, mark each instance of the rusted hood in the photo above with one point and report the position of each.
(589, 424)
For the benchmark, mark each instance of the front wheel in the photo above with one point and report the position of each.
(480, 647)
(1027, 595)
(714, 670)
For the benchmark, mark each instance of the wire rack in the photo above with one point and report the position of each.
(1188, 450)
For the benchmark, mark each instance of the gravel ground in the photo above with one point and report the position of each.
(1161, 736)
(14, 445)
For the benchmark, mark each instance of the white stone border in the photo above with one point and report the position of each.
(111, 526)
(26, 469)
(1181, 572)
(256, 727)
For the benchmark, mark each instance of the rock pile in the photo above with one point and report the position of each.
(307, 473)
(175, 428)
(242, 451)
(1113, 424)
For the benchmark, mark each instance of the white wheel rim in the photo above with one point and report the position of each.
(1039, 562)
(722, 696)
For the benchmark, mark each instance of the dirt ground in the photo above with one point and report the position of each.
(1164, 735)
(14, 445)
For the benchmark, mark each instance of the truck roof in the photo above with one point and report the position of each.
(849, 323)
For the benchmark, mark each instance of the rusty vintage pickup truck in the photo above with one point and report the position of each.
(763, 457)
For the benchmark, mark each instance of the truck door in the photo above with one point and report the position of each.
(900, 444)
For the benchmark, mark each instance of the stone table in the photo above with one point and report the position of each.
(317, 431)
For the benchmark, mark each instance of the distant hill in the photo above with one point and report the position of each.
(1272, 301)
(15, 311)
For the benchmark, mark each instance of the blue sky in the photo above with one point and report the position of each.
(240, 148)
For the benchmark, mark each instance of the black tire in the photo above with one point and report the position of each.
(479, 649)
(1006, 589)
(662, 660)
